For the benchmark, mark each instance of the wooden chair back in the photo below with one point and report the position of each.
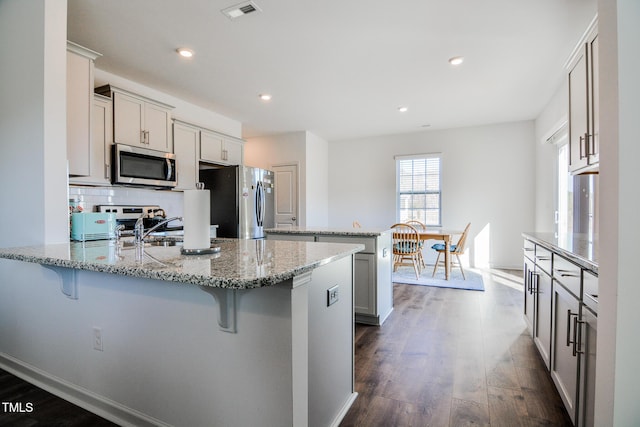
(460, 246)
(416, 224)
(406, 239)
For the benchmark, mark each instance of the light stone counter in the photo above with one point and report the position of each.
(240, 264)
(348, 232)
(575, 247)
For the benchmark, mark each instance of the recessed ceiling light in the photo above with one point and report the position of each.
(403, 109)
(456, 60)
(184, 52)
(265, 96)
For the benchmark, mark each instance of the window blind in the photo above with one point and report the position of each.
(418, 189)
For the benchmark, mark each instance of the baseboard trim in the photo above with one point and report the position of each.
(79, 396)
(345, 408)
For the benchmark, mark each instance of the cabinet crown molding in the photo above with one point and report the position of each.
(83, 51)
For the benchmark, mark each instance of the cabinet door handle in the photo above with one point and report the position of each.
(142, 137)
(575, 335)
(543, 258)
(578, 325)
(584, 141)
(569, 341)
(534, 282)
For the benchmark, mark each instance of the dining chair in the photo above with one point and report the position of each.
(457, 250)
(406, 247)
(420, 227)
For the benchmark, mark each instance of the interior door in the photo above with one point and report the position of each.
(286, 195)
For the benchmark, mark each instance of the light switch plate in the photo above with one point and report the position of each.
(333, 295)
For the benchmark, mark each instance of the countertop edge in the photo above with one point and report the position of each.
(572, 256)
(181, 278)
(329, 232)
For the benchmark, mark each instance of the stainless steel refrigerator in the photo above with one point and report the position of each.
(241, 200)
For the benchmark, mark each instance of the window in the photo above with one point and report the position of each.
(418, 189)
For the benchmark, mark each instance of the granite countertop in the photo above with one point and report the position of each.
(328, 231)
(240, 264)
(578, 248)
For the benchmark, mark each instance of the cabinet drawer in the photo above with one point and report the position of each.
(368, 242)
(529, 249)
(543, 259)
(590, 290)
(568, 274)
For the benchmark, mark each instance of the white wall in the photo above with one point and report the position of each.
(618, 316)
(317, 190)
(33, 175)
(310, 153)
(554, 115)
(486, 180)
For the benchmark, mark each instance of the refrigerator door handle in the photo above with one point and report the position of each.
(263, 204)
(259, 203)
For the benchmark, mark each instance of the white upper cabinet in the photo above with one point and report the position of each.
(220, 149)
(139, 121)
(185, 146)
(584, 127)
(80, 65)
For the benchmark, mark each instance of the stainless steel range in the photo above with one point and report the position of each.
(127, 215)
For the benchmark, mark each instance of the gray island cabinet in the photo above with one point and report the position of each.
(243, 337)
(373, 290)
(561, 312)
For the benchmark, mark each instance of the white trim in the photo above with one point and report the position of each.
(580, 45)
(417, 156)
(343, 411)
(79, 396)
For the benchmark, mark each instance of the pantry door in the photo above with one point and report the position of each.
(286, 195)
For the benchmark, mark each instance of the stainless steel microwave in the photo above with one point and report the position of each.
(141, 166)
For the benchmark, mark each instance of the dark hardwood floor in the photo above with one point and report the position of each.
(448, 357)
(39, 408)
(445, 357)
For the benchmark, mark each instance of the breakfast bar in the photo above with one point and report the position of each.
(259, 333)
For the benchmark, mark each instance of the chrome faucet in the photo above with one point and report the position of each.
(139, 232)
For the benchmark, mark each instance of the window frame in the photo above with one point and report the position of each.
(398, 160)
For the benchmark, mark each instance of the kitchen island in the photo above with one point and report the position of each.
(373, 290)
(246, 336)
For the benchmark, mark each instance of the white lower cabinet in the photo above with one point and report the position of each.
(373, 289)
(365, 275)
(564, 363)
(560, 310)
(542, 335)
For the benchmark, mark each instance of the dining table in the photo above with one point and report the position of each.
(445, 236)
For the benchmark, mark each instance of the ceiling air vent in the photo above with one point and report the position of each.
(240, 9)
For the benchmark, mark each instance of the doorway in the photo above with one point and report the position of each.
(286, 195)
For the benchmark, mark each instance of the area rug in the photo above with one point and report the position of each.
(407, 275)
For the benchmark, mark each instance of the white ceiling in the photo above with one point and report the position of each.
(341, 68)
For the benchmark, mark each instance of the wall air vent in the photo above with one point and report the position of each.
(240, 9)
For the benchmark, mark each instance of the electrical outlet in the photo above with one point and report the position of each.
(333, 295)
(97, 339)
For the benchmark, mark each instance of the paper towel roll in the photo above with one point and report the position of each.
(196, 219)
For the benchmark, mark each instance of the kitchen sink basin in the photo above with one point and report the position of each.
(154, 242)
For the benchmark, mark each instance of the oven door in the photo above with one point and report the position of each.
(141, 166)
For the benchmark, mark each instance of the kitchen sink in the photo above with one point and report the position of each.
(156, 241)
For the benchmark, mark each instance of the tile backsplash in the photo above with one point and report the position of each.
(89, 197)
